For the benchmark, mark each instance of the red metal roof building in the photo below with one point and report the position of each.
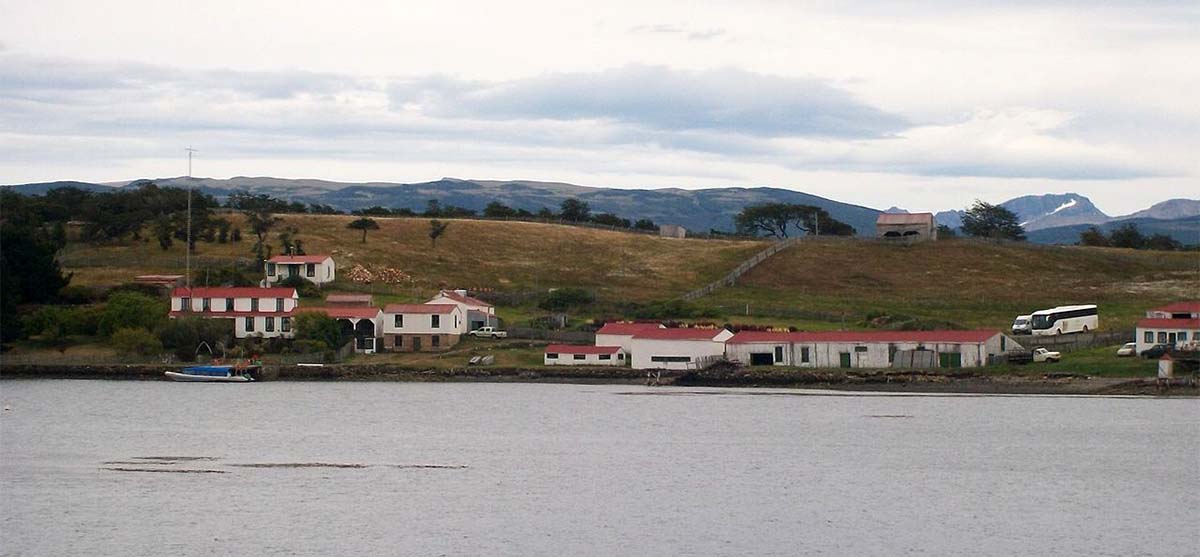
(869, 349)
(582, 355)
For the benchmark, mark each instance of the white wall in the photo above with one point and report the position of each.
(218, 305)
(644, 350)
(260, 327)
(828, 354)
(439, 299)
(565, 359)
(624, 341)
(453, 323)
(1192, 334)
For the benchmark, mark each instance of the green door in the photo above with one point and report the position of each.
(845, 357)
(949, 359)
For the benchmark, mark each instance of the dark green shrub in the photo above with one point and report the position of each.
(566, 298)
(136, 341)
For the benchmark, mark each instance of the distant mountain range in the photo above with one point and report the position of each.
(1050, 218)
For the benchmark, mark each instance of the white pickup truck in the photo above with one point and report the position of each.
(488, 332)
(1037, 355)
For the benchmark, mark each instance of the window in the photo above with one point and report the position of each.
(398, 321)
(249, 324)
(310, 270)
(860, 348)
(778, 353)
(206, 305)
(804, 354)
(436, 340)
(399, 341)
(253, 304)
(271, 269)
(1162, 337)
(285, 324)
(668, 359)
(620, 356)
(228, 304)
(580, 356)
(1182, 336)
(435, 321)
(551, 355)
(185, 304)
(606, 356)
(270, 325)
(278, 304)
(1003, 344)
(1149, 337)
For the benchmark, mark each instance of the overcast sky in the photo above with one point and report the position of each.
(924, 105)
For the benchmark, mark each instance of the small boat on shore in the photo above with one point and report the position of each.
(214, 374)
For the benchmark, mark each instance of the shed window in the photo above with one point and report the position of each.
(860, 348)
(580, 356)
(804, 354)
(185, 304)
(271, 269)
(606, 356)
(310, 270)
(778, 353)
(206, 304)
(551, 355)
(675, 359)
(620, 356)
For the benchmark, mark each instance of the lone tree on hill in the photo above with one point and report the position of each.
(574, 210)
(260, 221)
(1093, 237)
(364, 224)
(775, 219)
(985, 220)
(436, 229)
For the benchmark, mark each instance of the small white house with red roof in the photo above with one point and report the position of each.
(582, 355)
(478, 312)
(317, 269)
(362, 323)
(869, 349)
(1169, 332)
(255, 312)
(684, 348)
(422, 327)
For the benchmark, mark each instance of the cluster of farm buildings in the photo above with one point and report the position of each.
(443, 320)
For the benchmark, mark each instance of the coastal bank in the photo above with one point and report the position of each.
(915, 381)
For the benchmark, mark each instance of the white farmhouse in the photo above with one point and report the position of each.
(422, 327)
(317, 269)
(1169, 332)
(655, 348)
(621, 334)
(255, 312)
(478, 312)
(869, 349)
(577, 355)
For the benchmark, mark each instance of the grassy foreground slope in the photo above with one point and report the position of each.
(972, 283)
(474, 254)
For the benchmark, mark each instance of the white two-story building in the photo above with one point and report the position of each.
(422, 327)
(317, 269)
(478, 312)
(261, 312)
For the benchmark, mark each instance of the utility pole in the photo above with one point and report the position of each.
(187, 248)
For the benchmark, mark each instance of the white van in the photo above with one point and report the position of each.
(1022, 325)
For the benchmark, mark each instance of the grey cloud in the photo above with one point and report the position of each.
(729, 100)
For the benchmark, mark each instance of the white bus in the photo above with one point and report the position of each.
(1065, 319)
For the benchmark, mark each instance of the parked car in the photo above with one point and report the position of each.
(488, 332)
(1023, 357)
(1127, 349)
(1022, 325)
(1156, 351)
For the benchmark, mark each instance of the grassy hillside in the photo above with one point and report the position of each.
(474, 254)
(968, 282)
(826, 283)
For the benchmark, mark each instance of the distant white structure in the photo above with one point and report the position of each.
(677, 348)
(909, 227)
(478, 313)
(578, 355)
(317, 269)
(422, 327)
(255, 312)
(621, 334)
(672, 231)
(869, 349)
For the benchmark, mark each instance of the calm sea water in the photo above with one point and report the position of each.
(154, 468)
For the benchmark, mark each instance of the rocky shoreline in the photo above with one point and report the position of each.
(875, 380)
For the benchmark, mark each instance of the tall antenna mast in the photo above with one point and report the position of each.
(187, 248)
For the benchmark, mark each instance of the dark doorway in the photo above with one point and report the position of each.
(762, 359)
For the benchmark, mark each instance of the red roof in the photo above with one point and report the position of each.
(347, 312)
(298, 259)
(905, 218)
(615, 328)
(581, 349)
(462, 299)
(747, 337)
(1180, 307)
(678, 334)
(1155, 323)
(420, 308)
(233, 292)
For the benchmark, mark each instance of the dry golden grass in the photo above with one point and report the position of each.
(473, 254)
